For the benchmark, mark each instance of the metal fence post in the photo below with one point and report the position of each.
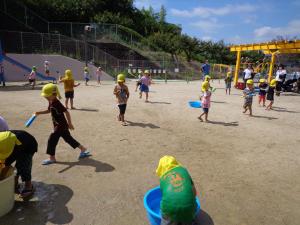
(48, 27)
(71, 28)
(95, 32)
(59, 42)
(25, 11)
(21, 42)
(42, 42)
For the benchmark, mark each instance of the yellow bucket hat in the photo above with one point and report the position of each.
(68, 75)
(228, 74)
(273, 83)
(7, 143)
(262, 80)
(49, 90)
(121, 78)
(207, 78)
(165, 164)
(146, 72)
(205, 86)
(250, 82)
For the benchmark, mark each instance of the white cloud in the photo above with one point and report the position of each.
(207, 26)
(268, 33)
(155, 4)
(206, 12)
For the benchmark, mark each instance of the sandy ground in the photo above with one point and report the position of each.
(246, 169)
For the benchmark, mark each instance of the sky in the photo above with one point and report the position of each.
(235, 22)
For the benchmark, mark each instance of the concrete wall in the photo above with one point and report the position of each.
(57, 63)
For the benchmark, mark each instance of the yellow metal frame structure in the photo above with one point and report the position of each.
(273, 48)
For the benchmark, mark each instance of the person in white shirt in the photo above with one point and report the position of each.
(280, 78)
(247, 74)
(47, 69)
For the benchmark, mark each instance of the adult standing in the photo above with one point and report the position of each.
(205, 68)
(2, 78)
(280, 78)
(247, 74)
(99, 74)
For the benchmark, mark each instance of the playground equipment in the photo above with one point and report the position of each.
(273, 48)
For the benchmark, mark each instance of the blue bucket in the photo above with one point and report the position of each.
(195, 104)
(152, 205)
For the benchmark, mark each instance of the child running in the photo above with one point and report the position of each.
(228, 81)
(262, 92)
(60, 123)
(69, 85)
(205, 100)
(122, 94)
(86, 75)
(32, 77)
(145, 83)
(248, 94)
(178, 205)
(270, 94)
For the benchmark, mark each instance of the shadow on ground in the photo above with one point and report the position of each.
(280, 109)
(143, 125)
(219, 102)
(86, 110)
(99, 166)
(265, 117)
(165, 103)
(230, 124)
(205, 218)
(19, 88)
(48, 205)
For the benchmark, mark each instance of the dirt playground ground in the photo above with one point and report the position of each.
(246, 169)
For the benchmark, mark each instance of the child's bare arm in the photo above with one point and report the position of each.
(68, 116)
(115, 91)
(76, 85)
(42, 112)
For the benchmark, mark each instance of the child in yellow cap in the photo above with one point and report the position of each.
(18, 146)
(69, 85)
(122, 94)
(228, 81)
(248, 94)
(262, 92)
(178, 204)
(86, 75)
(145, 83)
(205, 100)
(270, 94)
(60, 123)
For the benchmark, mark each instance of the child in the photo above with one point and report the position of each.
(99, 74)
(228, 81)
(32, 76)
(262, 92)
(145, 83)
(69, 85)
(18, 146)
(46, 66)
(205, 99)
(248, 94)
(270, 94)
(86, 75)
(122, 94)
(60, 123)
(178, 204)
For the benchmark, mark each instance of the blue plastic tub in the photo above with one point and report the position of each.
(195, 104)
(152, 205)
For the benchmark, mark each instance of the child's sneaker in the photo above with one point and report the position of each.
(84, 154)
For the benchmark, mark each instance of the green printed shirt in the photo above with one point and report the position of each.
(178, 200)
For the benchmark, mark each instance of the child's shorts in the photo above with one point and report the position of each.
(247, 104)
(261, 97)
(31, 80)
(69, 94)
(86, 79)
(144, 88)
(122, 108)
(228, 85)
(205, 110)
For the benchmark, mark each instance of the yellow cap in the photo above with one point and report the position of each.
(205, 86)
(86, 68)
(146, 72)
(207, 78)
(250, 82)
(68, 75)
(49, 90)
(7, 143)
(228, 74)
(273, 83)
(262, 80)
(121, 77)
(165, 164)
